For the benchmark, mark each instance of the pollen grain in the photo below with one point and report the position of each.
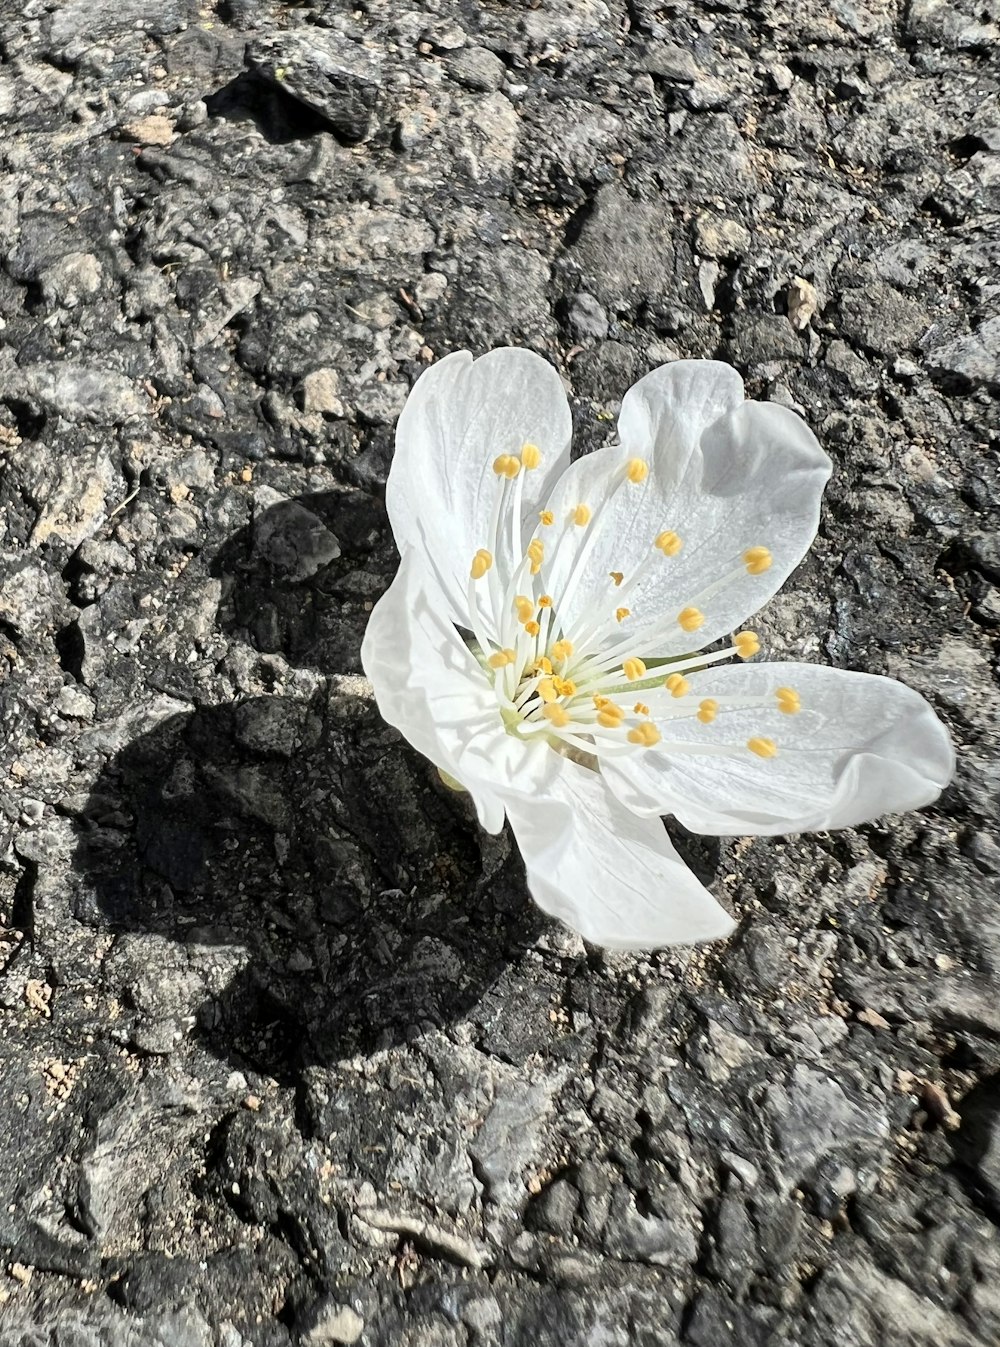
(481, 563)
(757, 560)
(645, 734)
(668, 542)
(764, 748)
(747, 644)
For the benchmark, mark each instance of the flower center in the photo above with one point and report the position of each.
(574, 682)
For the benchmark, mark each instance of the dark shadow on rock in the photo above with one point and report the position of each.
(315, 890)
(702, 855)
(977, 1144)
(297, 582)
(316, 894)
(279, 118)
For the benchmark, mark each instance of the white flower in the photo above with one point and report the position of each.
(539, 641)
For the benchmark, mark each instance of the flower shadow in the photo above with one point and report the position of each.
(299, 580)
(315, 894)
(311, 891)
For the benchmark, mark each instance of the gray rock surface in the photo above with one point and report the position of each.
(286, 1055)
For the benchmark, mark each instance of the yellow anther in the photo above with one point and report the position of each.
(562, 649)
(617, 577)
(600, 701)
(531, 456)
(645, 734)
(525, 607)
(547, 690)
(547, 517)
(536, 555)
(545, 601)
(757, 560)
(542, 665)
(708, 710)
(764, 748)
(507, 465)
(532, 627)
(636, 470)
(501, 658)
(610, 716)
(747, 643)
(565, 687)
(641, 709)
(481, 563)
(677, 685)
(668, 542)
(789, 701)
(690, 619)
(633, 668)
(556, 715)
(622, 613)
(581, 515)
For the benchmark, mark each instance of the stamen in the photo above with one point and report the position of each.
(757, 560)
(641, 709)
(645, 734)
(636, 470)
(547, 517)
(633, 668)
(536, 554)
(531, 456)
(556, 715)
(501, 658)
(565, 687)
(562, 650)
(547, 690)
(532, 627)
(764, 748)
(707, 710)
(669, 543)
(581, 516)
(613, 484)
(610, 716)
(481, 563)
(545, 601)
(622, 613)
(507, 465)
(690, 619)
(789, 701)
(542, 665)
(677, 685)
(746, 644)
(525, 608)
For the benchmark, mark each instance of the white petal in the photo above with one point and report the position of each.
(460, 415)
(726, 475)
(611, 876)
(665, 414)
(429, 685)
(860, 747)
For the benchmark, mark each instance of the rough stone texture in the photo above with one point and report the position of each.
(285, 1053)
